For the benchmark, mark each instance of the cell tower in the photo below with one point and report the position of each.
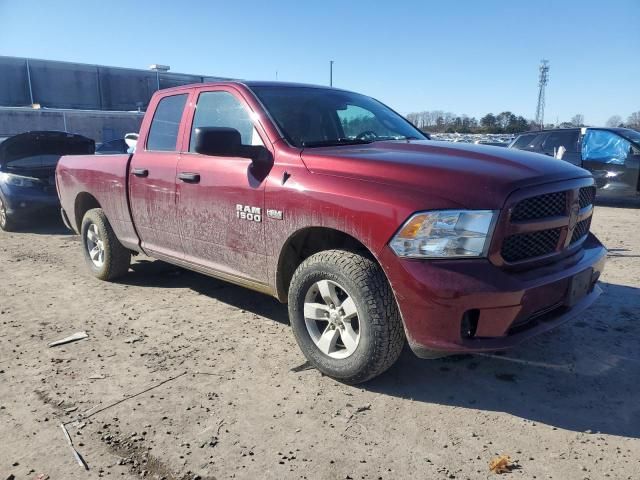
(542, 84)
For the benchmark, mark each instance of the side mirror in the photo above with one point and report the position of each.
(227, 142)
(131, 139)
(217, 141)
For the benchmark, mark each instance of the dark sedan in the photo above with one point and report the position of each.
(27, 173)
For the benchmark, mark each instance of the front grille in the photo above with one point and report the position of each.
(587, 196)
(541, 206)
(527, 245)
(547, 212)
(582, 228)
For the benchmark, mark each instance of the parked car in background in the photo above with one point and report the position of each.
(27, 173)
(612, 155)
(113, 146)
(330, 201)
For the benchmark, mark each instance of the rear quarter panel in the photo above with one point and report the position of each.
(104, 178)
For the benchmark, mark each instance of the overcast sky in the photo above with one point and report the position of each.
(468, 57)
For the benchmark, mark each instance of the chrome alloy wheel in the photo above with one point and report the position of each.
(331, 318)
(95, 245)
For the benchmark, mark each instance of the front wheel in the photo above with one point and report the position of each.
(6, 222)
(106, 257)
(344, 316)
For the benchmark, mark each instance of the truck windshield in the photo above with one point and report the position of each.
(317, 117)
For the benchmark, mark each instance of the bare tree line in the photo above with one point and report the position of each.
(438, 121)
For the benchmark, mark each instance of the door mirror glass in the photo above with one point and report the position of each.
(217, 141)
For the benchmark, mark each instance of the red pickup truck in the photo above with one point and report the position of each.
(334, 203)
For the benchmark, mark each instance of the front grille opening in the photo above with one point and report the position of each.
(587, 196)
(469, 323)
(542, 315)
(582, 228)
(529, 245)
(541, 206)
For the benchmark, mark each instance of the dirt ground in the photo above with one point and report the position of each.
(238, 402)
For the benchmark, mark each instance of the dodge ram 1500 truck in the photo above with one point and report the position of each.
(334, 203)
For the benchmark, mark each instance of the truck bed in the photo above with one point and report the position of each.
(105, 176)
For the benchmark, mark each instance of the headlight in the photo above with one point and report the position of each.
(446, 234)
(18, 180)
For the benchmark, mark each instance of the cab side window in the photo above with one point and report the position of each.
(525, 142)
(606, 147)
(555, 140)
(222, 109)
(163, 133)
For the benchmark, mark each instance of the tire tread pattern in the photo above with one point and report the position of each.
(385, 320)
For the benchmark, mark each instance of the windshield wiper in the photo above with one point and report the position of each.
(398, 137)
(336, 141)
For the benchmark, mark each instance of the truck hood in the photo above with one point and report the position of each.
(474, 176)
(39, 143)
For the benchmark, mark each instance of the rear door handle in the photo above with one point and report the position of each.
(140, 172)
(189, 177)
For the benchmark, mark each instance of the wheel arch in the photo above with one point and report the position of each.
(307, 241)
(83, 203)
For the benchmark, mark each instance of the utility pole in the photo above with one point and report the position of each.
(543, 79)
(331, 73)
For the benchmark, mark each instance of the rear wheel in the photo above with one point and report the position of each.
(106, 257)
(344, 316)
(6, 222)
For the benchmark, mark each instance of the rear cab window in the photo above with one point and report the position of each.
(163, 132)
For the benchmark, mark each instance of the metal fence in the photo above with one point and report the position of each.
(102, 126)
(53, 84)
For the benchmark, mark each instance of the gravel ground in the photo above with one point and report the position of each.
(185, 377)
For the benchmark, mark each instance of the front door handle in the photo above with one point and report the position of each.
(140, 172)
(189, 177)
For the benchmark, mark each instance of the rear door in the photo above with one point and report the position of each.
(152, 179)
(221, 204)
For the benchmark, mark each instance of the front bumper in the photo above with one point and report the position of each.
(509, 306)
(24, 202)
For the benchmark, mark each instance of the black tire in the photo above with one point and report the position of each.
(381, 333)
(116, 258)
(6, 222)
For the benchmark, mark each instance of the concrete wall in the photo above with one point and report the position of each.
(101, 126)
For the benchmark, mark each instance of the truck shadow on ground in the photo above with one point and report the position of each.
(155, 273)
(582, 376)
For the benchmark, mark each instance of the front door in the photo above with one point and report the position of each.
(152, 180)
(220, 202)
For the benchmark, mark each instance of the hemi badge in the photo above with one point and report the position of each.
(275, 214)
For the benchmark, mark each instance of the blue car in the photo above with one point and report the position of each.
(27, 173)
